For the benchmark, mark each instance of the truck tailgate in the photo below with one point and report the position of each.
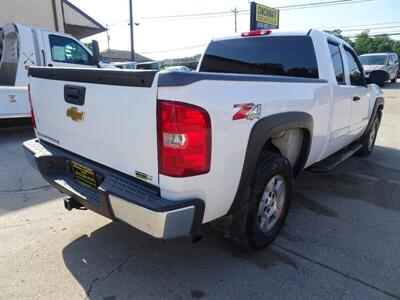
(107, 116)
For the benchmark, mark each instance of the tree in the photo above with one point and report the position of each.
(363, 43)
(396, 47)
(383, 43)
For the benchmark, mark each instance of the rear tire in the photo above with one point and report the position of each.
(269, 201)
(394, 79)
(368, 140)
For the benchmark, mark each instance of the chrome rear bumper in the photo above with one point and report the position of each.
(118, 196)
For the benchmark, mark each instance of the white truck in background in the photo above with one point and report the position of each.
(22, 46)
(169, 151)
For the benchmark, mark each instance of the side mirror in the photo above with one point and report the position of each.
(96, 52)
(378, 77)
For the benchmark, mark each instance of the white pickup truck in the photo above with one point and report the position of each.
(169, 151)
(22, 46)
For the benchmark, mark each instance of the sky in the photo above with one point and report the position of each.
(160, 38)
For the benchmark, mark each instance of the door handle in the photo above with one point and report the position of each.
(74, 94)
(356, 98)
(44, 58)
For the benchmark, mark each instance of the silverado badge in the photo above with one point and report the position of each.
(75, 114)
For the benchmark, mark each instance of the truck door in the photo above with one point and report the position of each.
(341, 106)
(64, 51)
(358, 93)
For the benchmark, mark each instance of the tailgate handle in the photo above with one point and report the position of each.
(74, 94)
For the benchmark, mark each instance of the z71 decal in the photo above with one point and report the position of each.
(249, 111)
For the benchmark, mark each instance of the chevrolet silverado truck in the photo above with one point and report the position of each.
(169, 151)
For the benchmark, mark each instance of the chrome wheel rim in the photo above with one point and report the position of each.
(272, 203)
(372, 135)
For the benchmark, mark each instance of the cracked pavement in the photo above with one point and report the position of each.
(341, 239)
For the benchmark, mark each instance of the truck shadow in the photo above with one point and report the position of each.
(375, 179)
(119, 262)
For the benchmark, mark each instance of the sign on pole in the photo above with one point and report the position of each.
(263, 17)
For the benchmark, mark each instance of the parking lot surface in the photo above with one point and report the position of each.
(341, 239)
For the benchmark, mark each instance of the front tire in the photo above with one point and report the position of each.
(269, 201)
(368, 140)
(394, 79)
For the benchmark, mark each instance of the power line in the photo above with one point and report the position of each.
(203, 45)
(371, 24)
(320, 4)
(176, 49)
(186, 15)
(241, 12)
(375, 34)
(371, 28)
(287, 7)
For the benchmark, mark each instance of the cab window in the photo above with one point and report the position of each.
(67, 50)
(272, 55)
(356, 76)
(337, 62)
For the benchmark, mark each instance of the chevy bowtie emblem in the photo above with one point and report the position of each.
(75, 114)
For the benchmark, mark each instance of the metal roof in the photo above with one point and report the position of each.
(78, 23)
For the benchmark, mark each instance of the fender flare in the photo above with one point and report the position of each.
(379, 102)
(260, 133)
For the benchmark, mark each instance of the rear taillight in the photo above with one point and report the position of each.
(31, 107)
(184, 139)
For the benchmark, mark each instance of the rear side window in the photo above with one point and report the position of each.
(67, 50)
(337, 62)
(280, 55)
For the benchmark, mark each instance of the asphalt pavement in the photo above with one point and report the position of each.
(341, 239)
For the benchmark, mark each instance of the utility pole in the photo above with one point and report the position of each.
(235, 11)
(131, 26)
(108, 42)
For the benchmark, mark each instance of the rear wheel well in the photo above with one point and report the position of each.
(293, 144)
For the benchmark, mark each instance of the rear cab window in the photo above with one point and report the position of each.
(271, 55)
